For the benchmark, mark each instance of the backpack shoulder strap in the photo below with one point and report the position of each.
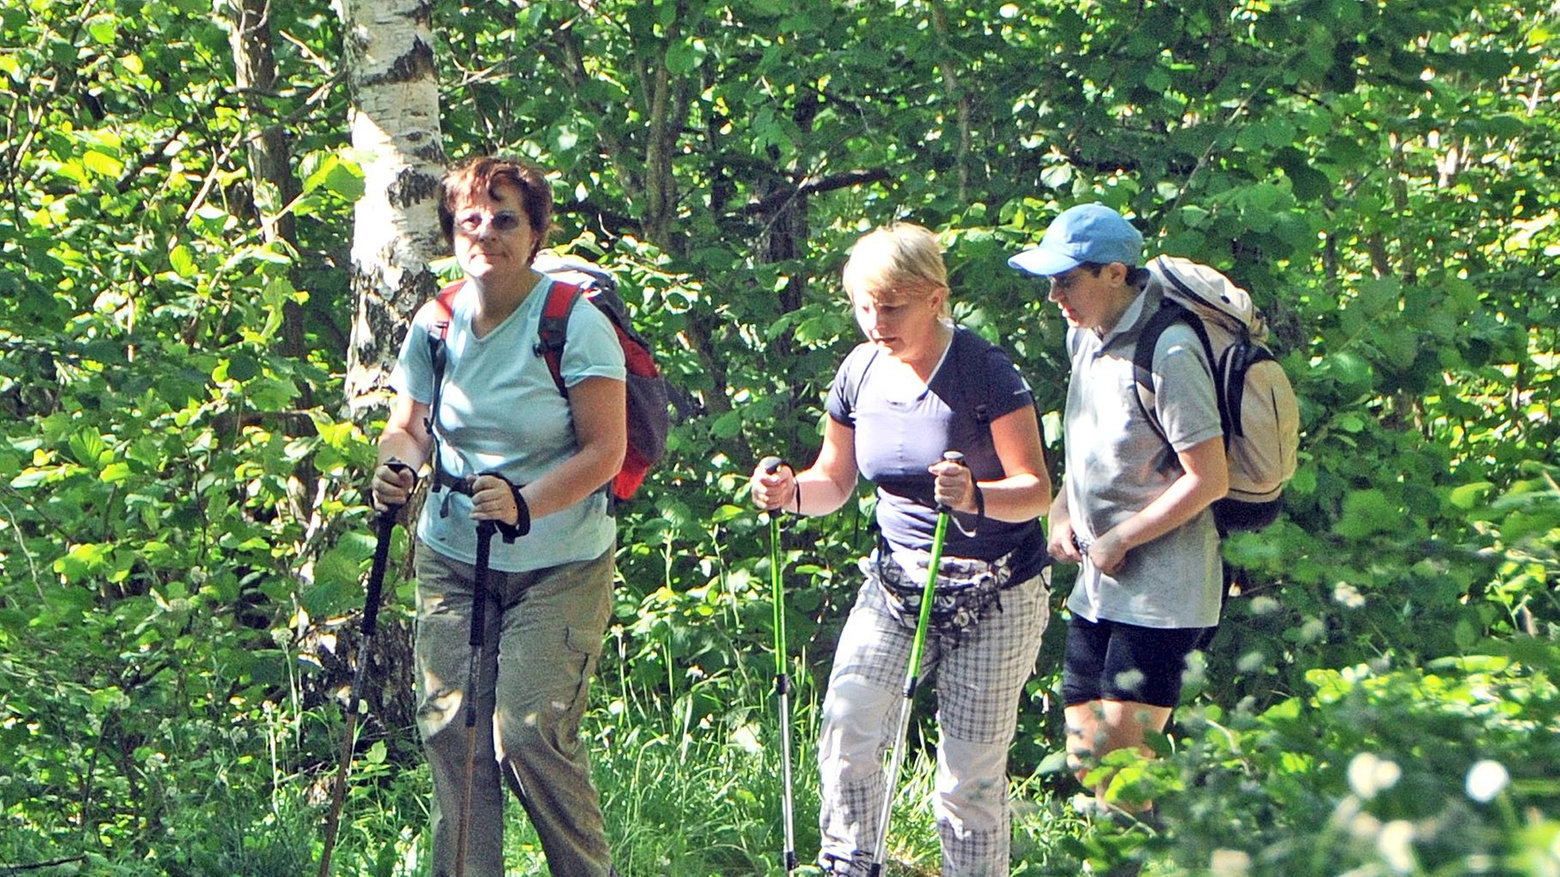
(553, 330)
(1169, 313)
(980, 352)
(853, 382)
(443, 307)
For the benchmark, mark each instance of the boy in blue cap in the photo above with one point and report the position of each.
(1134, 508)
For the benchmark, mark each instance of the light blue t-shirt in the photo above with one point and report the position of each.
(500, 411)
(1117, 464)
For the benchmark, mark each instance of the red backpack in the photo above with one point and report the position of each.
(648, 421)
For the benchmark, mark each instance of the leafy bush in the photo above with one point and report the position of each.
(1443, 770)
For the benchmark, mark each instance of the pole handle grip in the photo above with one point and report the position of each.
(771, 464)
(958, 459)
(384, 526)
(479, 596)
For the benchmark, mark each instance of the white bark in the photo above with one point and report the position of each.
(394, 120)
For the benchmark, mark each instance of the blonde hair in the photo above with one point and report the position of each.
(898, 260)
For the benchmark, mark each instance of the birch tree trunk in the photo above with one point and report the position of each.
(394, 119)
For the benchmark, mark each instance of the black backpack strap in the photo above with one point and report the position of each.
(853, 382)
(439, 356)
(1143, 362)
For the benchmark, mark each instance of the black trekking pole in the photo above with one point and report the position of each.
(384, 526)
(479, 592)
(782, 678)
(912, 676)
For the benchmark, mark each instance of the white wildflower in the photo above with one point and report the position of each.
(1230, 863)
(1486, 780)
(1348, 595)
(1395, 843)
(1370, 775)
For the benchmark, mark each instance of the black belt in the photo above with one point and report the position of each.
(446, 481)
(443, 480)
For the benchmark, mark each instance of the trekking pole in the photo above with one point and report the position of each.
(912, 676)
(485, 531)
(384, 527)
(782, 678)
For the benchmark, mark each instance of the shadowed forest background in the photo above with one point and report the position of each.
(196, 325)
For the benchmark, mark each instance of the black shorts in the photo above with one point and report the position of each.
(1109, 660)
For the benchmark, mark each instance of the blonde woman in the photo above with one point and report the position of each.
(917, 387)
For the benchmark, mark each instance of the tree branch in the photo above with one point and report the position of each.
(813, 186)
(38, 866)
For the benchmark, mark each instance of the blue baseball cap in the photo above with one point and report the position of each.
(1086, 233)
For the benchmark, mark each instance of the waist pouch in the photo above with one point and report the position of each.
(965, 588)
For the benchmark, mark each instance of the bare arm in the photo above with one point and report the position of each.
(819, 489)
(601, 427)
(1204, 480)
(1059, 535)
(404, 440)
(1024, 491)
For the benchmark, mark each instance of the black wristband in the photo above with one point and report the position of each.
(522, 524)
(980, 513)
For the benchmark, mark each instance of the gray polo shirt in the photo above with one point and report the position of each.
(1117, 464)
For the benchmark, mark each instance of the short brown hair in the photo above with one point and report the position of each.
(486, 174)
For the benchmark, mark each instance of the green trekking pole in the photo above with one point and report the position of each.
(912, 677)
(384, 526)
(782, 678)
(479, 596)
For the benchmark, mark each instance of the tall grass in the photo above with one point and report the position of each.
(691, 787)
(690, 792)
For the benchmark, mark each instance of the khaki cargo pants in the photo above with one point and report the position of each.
(543, 633)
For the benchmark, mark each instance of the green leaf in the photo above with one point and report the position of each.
(182, 262)
(82, 561)
(1367, 512)
(683, 58)
(89, 449)
(1468, 496)
(242, 367)
(1351, 371)
(727, 425)
(103, 165)
(345, 181)
(103, 30)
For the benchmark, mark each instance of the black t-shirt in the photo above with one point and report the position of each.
(901, 428)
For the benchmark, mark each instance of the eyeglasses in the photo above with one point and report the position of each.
(503, 221)
(1063, 283)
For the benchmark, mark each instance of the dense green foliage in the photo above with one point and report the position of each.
(181, 526)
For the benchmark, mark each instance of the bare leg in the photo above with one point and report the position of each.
(1099, 727)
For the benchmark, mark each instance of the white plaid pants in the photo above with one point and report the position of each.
(978, 686)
